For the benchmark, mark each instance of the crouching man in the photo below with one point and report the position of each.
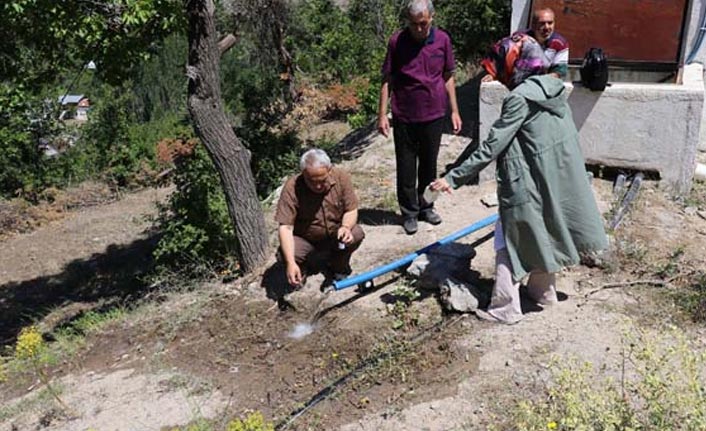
(318, 214)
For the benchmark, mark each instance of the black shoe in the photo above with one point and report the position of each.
(430, 216)
(341, 275)
(410, 226)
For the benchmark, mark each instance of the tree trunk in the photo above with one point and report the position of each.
(231, 158)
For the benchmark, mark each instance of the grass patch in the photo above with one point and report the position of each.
(40, 401)
(692, 298)
(25, 360)
(684, 279)
(697, 195)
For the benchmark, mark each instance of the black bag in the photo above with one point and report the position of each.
(594, 70)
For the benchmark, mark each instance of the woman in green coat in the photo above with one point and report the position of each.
(547, 211)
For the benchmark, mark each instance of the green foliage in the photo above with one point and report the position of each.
(247, 90)
(692, 297)
(44, 36)
(160, 84)
(324, 42)
(336, 46)
(253, 422)
(400, 309)
(368, 98)
(19, 158)
(115, 146)
(195, 225)
(663, 389)
(670, 267)
(473, 24)
(25, 120)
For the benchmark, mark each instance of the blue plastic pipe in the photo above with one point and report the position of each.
(367, 276)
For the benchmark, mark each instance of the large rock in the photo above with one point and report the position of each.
(457, 295)
(442, 263)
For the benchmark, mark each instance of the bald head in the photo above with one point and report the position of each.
(543, 22)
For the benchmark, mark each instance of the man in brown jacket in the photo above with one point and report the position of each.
(318, 212)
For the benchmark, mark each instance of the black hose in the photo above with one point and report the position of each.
(366, 363)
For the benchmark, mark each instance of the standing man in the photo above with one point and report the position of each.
(418, 74)
(556, 48)
(318, 212)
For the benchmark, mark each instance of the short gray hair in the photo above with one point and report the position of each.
(314, 158)
(416, 7)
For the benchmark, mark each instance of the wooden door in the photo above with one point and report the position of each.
(629, 31)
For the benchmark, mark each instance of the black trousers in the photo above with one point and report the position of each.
(416, 153)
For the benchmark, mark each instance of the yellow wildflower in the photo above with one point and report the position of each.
(29, 343)
(552, 425)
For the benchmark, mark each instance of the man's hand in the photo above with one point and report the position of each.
(294, 274)
(441, 185)
(456, 122)
(344, 235)
(384, 125)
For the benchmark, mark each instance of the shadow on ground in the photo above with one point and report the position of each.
(378, 217)
(101, 281)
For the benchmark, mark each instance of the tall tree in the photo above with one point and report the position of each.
(45, 35)
(231, 158)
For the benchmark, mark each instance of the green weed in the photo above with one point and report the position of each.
(404, 316)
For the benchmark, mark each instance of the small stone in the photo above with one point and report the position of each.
(490, 200)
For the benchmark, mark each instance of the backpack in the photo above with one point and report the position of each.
(594, 70)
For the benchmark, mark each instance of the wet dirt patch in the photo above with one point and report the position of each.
(245, 350)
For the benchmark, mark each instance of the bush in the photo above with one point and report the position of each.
(195, 225)
(663, 388)
(337, 47)
(252, 422)
(115, 149)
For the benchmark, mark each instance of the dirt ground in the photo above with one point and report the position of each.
(223, 349)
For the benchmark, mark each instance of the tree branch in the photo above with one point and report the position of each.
(227, 43)
(660, 283)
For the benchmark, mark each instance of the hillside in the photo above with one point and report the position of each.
(176, 354)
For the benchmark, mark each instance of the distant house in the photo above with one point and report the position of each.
(74, 106)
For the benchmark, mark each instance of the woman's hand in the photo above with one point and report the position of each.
(441, 185)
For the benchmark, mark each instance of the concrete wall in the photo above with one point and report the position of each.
(652, 127)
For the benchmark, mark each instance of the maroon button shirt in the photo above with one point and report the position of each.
(416, 72)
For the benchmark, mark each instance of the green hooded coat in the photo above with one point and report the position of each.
(547, 207)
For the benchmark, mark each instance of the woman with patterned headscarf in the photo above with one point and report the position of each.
(548, 215)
